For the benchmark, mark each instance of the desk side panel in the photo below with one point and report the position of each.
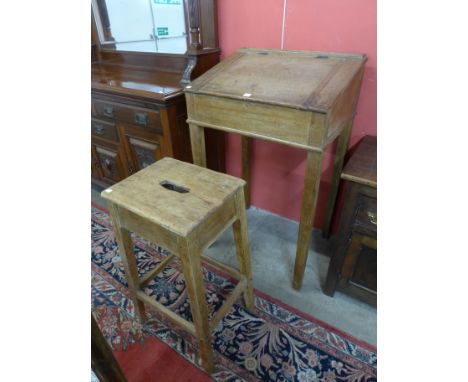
(344, 107)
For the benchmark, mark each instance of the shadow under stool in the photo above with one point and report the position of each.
(183, 208)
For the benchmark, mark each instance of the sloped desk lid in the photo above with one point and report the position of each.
(298, 79)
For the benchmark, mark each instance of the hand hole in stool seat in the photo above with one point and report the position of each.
(173, 187)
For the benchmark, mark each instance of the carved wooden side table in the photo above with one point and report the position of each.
(353, 266)
(300, 99)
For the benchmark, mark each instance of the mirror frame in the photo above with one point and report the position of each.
(200, 19)
(203, 45)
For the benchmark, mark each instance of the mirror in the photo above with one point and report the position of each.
(157, 26)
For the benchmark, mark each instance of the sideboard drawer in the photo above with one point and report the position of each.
(104, 109)
(136, 116)
(139, 117)
(104, 130)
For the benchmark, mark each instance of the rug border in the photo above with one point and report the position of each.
(276, 301)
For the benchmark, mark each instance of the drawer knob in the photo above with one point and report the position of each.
(108, 111)
(140, 118)
(98, 128)
(108, 164)
(372, 217)
(130, 168)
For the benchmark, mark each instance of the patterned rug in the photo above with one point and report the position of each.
(272, 343)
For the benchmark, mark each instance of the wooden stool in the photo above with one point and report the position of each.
(183, 208)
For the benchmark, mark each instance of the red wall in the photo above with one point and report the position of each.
(329, 25)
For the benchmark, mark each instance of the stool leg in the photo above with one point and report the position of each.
(239, 228)
(192, 270)
(124, 240)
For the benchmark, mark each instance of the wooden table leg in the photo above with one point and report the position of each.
(309, 201)
(124, 240)
(246, 147)
(342, 146)
(197, 140)
(241, 239)
(192, 270)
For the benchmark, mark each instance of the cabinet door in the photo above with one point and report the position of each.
(96, 172)
(109, 162)
(360, 264)
(141, 147)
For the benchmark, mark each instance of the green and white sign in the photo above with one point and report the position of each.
(162, 31)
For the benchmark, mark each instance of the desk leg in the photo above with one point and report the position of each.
(246, 144)
(197, 140)
(309, 201)
(343, 141)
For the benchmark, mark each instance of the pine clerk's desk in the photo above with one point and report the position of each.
(300, 99)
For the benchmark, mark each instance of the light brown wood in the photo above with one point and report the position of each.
(222, 267)
(239, 229)
(157, 270)
(197, 140)
(255, 135)
(338, 161)
(143, 194)
(297, 98)
(246, 144)
(192, 269)
(184, 218)
(269, 122)
(188, 326)
(152, 232)
(235, 294)
(218, 221)
(124, 241)
(309, 201)
(308, 80)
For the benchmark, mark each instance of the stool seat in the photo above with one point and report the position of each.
(182, 208)
(174, 194)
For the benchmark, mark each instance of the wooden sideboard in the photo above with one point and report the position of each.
(138, 109)
(353, 266)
